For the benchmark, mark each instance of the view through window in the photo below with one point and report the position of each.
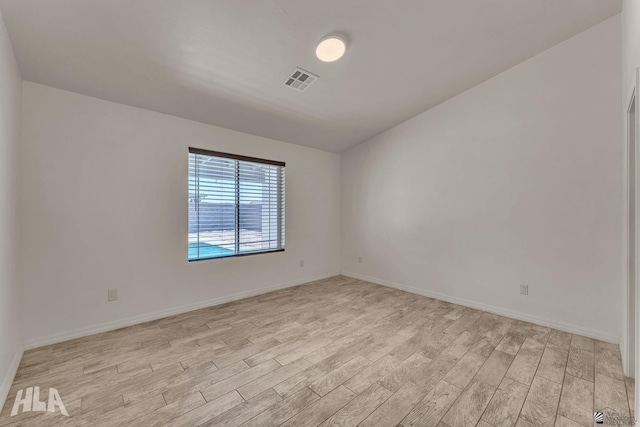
(236, 205)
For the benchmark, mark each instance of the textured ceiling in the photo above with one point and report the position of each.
(223, 62)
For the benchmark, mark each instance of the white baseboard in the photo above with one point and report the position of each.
(623, 355)
(134, 320)
(574, 329)
(5, 386)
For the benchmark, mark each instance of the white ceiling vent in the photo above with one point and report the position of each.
(300, 79)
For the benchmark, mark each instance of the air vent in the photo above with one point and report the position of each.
(300, 79)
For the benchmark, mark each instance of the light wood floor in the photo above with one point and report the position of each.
(334, 352)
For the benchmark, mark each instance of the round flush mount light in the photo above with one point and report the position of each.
(331, 48)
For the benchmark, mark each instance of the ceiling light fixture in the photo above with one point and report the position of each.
(331, 48)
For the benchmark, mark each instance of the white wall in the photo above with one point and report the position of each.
(516, 181)
(630, 61)
(104, 205)
(10, 298)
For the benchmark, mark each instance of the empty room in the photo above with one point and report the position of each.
(331, 213)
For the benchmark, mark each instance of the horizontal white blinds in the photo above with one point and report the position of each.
(236, 205)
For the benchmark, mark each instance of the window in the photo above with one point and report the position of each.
(236, 205)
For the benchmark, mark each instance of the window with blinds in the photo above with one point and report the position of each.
(236, 205)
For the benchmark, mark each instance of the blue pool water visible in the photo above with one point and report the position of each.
(207, 251)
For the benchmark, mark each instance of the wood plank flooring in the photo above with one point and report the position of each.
(336, 352)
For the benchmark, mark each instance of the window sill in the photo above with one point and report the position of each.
(237, 255)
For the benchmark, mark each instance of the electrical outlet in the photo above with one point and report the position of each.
(301, 263)
(359, 260)
(112, 295)
(524, 289)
